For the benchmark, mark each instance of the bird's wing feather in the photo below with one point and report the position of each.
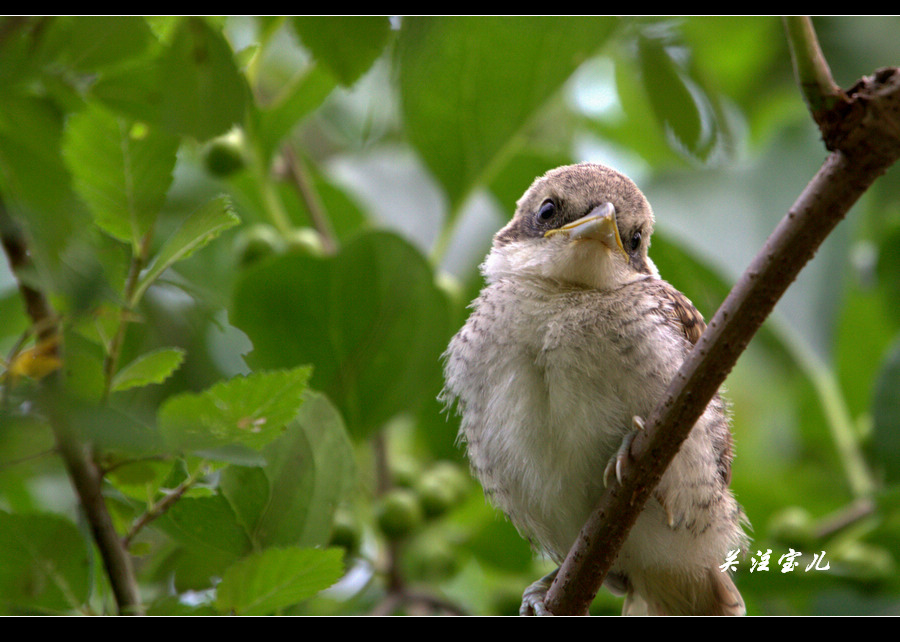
(680, 310)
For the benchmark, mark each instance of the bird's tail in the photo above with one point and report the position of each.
(712, 592)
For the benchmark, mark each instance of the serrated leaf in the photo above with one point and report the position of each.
(121, 172)
(370, 320)
(152, 367)
(470, 85)
(265, 582)
(347, 45)
(44, 562)
(201, 227)
(248, 411)
(309, 470)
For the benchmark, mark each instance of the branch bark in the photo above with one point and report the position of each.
(862, 129)
(83, 471)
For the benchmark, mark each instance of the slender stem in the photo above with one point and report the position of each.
(87, 481)
(37, 307)
(272, 201)
(840, 422)
(83, 472)
(157, 510)
(317, 214)
(846, 517)
(111, 361)
(812, 71)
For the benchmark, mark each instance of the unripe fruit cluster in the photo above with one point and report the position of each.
(403, 509)
(262, 240)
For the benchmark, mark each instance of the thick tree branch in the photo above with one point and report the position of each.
(864, 134)
(83, 471)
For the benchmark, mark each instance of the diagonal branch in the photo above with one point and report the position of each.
(863, 132)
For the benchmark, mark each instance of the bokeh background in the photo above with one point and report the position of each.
(319, 192)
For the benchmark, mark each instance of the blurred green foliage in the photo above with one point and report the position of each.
(260, 233)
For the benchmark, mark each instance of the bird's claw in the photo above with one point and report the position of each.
(533, 597)
(618, 462)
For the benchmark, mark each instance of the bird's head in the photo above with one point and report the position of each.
(585, 225)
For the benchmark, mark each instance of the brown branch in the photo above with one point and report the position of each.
(317, 214)
(83, 471)
(88, 484)
(36, 305)
(865, 137)
(157, 510)
(848, 516)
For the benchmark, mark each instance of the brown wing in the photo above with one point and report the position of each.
(680, 309)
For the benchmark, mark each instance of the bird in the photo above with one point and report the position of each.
(570, 344)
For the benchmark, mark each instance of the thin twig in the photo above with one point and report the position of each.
(317, 214)
(83, 472)
(114, 350)
(157, 510)
(847, 516)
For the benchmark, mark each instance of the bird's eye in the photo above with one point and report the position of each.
(548, 209)
(636, 241)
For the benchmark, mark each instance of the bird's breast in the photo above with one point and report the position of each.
(548, 381)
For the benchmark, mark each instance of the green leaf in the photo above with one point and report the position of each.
(201, 227)
(122, 172)
(303, 95)
(204, 93)
(193, 88)
(370, 320)
(470, 85)
(90, 43)
(886, 415)
(636, 128)
(309, 470)
(250, 411)
(114, 430)
(263, 583)
(44, 563)
(153, 367)
(208, 529)
(347, 45)
(677, 101)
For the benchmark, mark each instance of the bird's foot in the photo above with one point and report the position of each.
(533, 597)
(620, 460)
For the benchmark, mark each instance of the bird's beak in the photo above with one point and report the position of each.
(598, 225)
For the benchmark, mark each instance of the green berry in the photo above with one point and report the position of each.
(398, 513)
(304, 240)
(224, 156)
(256, 242)
(346, 532)
(437, 497)
(793, 525)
